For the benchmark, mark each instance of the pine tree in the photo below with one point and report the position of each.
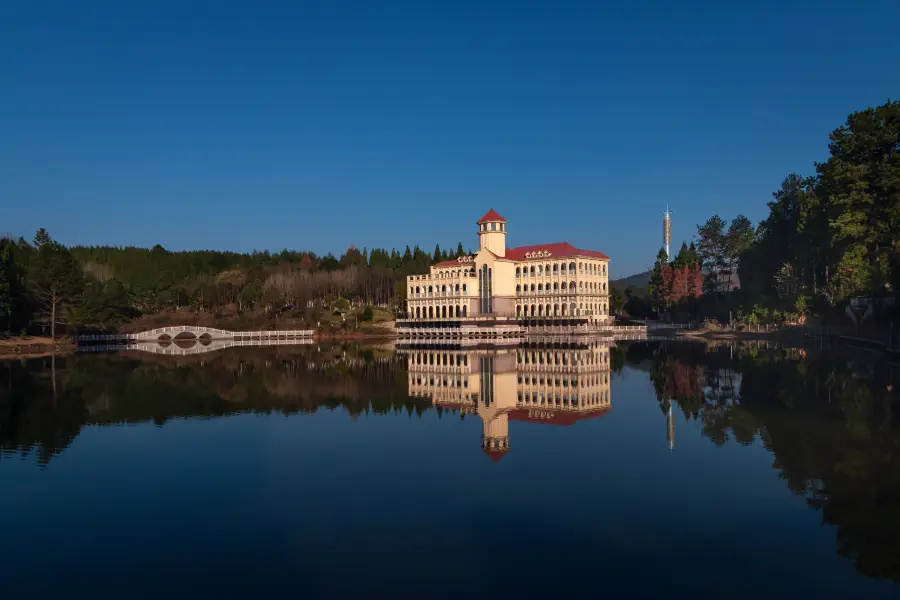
(55, 278)
(437, 256)
(459, 250)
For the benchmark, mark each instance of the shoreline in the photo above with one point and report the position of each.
(33, 347)
(776, 334)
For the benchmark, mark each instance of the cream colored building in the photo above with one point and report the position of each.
(548, 283)
(542, 384)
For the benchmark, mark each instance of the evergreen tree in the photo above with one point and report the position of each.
(7, 282)
(459, 250)
(56, 279)
(656, 284)
(437, 256)
(861, 197)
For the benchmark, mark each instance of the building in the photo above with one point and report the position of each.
(557, 384)
(545, 283)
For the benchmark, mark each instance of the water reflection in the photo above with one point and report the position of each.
(828, 421)
(558, 384)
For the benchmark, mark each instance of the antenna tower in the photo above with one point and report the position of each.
(667, 230)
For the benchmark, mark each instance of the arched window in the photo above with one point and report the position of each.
(430, 289)
(604, 269)
(572, 309)
(564, 313)
(464, 288)
(540, 270)
(540, 288)
(518, 310)
(533, 313)
(555, 268)
(443, 289)
(563, 287)
(556, 310)
(581, 285)
(581, 266)
(572, 286)
(418, 313)
(465, 310)
(548, 310)
(430, 312)
(457, 311)
(443, 312)
(457, 288)
(532, 289)
(518, 272)
(604, 287)
(555, 287)
(518, 289)
(532, 270)
(572, 267)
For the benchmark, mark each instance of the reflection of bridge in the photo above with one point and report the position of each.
(198, 347)
(191, 331)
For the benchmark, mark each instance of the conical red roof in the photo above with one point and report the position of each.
(492, 215)
(494, 455)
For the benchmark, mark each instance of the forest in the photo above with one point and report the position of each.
(829, 237)
(46, 287)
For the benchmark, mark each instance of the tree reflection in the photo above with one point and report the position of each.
(135, 387)
(829, 420)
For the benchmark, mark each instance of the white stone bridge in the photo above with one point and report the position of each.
(193, 332)
(196, 347)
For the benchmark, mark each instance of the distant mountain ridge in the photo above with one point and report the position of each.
(638, 279)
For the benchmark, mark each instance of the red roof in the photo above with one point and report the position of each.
(494, 455)
(556, 250)
(491, 215)
(452, 263)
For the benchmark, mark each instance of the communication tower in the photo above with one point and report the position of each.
(667, 230)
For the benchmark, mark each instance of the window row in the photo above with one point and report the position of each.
(563, 381)
(447, 382)
(441, 312)
(592, 399)
(560, 287)
(431, 290)
(446, 359)
(560, 358)
(561, 310)
(560, 268)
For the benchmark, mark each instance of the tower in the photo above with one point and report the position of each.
(492, 233)
(667, 231)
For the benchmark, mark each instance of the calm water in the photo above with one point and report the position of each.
(640, 470)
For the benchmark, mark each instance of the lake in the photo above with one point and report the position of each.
(654, 469)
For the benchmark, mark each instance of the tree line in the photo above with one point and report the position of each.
(44, 284)
(828, 237)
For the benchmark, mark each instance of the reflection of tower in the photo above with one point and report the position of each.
(670, 428)
(667, 231)
(495, 426)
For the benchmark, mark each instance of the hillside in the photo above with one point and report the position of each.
(639, 279)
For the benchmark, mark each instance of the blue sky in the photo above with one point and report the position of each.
(242, 125)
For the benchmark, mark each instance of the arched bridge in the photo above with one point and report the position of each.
(197, 347)
(192, 331)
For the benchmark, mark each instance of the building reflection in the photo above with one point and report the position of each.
(555, 384)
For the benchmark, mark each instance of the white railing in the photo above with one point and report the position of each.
(211, 332)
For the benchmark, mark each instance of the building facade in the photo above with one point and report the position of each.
(554, 282)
